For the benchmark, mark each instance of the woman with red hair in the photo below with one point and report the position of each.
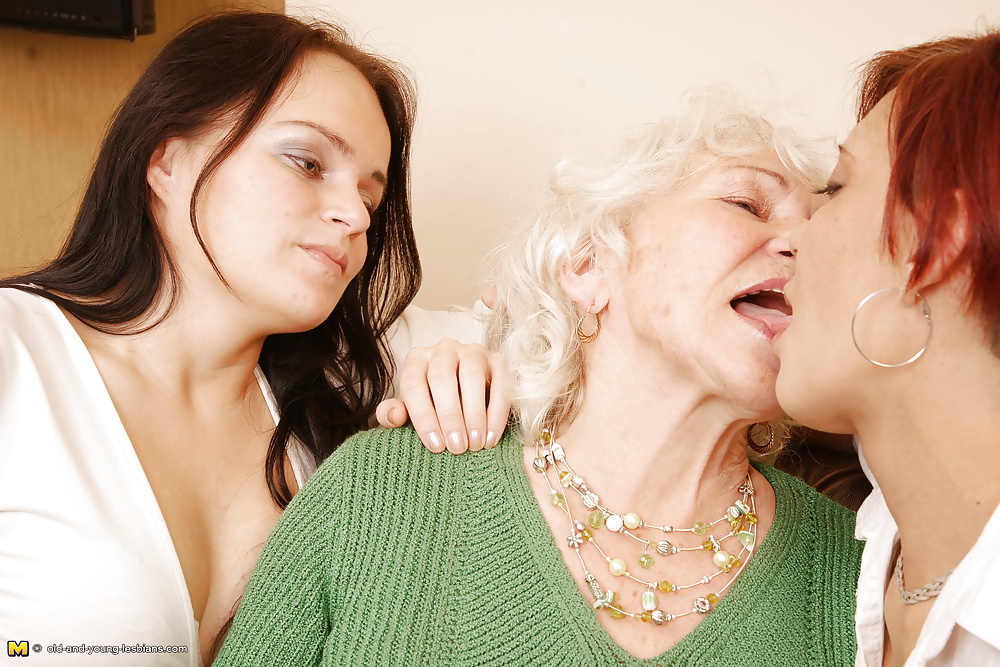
(903, 349)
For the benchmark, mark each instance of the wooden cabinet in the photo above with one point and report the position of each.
(57, 92)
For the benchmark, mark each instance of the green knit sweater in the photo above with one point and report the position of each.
(391, 555)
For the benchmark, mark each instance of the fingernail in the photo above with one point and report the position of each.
(457, 441)
(435, 441)
(475, 441)
(395, 415)
(491, 439)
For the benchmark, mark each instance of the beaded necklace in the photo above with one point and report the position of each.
(550, 457)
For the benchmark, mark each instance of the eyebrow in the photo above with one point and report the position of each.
(773, 174)
(339, 143)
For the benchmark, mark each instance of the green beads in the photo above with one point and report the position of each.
(699, 528)
(596, 519)
(646, 561)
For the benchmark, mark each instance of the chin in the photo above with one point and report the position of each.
(314, 318)
(760, 400)
(795, 385)
(771, 410)
(782, 394)
(817, 406)
(295, 315)
(798, 401)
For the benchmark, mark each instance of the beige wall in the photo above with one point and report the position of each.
(505, 89)
(506, 86)
(56, 94)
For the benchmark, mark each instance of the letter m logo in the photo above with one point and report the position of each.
(17, 649)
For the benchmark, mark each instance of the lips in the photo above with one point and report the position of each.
(332, 257)
(765, 306)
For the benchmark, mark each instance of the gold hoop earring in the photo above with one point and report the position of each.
(927, 318)
(585, 338)
(752, 441)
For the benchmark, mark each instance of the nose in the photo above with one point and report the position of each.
(793, 240)
(344, 204)
(784, 232)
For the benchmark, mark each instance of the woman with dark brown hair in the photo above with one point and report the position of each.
(218, 310)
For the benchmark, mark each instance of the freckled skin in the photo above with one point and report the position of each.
(694, 249)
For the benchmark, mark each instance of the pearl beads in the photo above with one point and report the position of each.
(563, 482)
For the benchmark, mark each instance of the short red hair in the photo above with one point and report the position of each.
(944, 140)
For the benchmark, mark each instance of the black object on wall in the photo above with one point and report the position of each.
(121, 19)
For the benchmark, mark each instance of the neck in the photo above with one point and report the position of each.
(627, 443)
(932, 445)
(200, 355)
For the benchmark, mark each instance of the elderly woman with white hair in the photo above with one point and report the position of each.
(622, 520)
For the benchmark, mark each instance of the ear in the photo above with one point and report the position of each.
(944, 262)
(163, 169)
(587, 283)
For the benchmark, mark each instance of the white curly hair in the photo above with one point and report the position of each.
(589, 206)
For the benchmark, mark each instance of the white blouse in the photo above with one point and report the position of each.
(962, 628)
(85, 556)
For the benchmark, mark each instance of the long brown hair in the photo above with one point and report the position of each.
(115, 266)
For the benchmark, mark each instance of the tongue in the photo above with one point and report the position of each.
(775, 320)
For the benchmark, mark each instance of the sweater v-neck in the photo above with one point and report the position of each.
(733, 608)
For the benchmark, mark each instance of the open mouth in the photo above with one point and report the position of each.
(765, 307)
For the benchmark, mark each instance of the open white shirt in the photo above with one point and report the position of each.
(962, 628)
(85, 555)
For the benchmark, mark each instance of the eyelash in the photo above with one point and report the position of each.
(749, 205)
(829, 190)
(317, 172)
(301, 163)
(369, 204)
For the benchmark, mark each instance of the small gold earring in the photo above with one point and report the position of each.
(592, 336)
(752, 441)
